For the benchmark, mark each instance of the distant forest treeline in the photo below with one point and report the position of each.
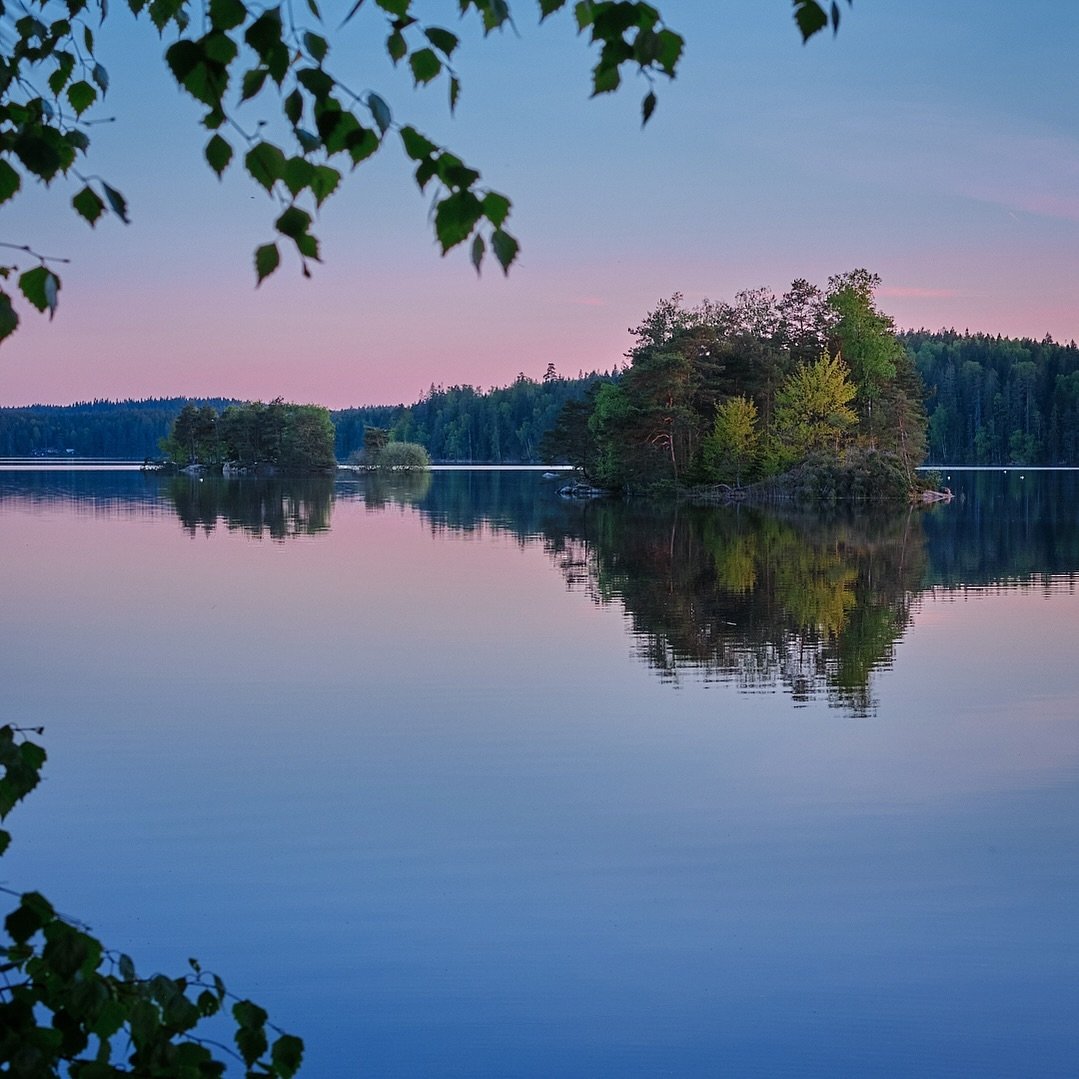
(462, 423)
(998, 400)
(990, 400)
(128, 430)
(455, 424)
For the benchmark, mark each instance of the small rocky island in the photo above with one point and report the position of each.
(807, 397)
(260, 439)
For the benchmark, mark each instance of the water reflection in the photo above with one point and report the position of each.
(127, 493)
(757, 598)
(281, 508)
(769, 601)
(379, 489)
(1007, 527)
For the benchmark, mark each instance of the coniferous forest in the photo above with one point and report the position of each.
(988, 400)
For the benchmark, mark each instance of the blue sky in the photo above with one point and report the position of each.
(937, 145)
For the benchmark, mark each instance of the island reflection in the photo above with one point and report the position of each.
(769, 601)
(278, 507)
(764, 600)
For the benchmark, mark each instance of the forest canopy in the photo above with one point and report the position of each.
(990, 400)
(287, 437)
(729, 392)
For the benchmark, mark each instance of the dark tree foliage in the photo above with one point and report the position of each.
(277, 507)
(463, 424)
(998, 400)
(71, 1006)
(667, 420)
(128, 430)
(292, 438)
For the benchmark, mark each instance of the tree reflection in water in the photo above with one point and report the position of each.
(280, 507)
(761, 599)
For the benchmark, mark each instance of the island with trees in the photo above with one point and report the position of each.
(810, 395)
(253, 438)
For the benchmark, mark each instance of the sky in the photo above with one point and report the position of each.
(936, 145)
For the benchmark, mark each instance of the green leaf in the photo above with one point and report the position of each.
(396, 46)
(313, 8)
(425, 66)
(10, 181)
(286, 1055)
(266, 164)
(442, 40)
(810, 17)
(9, 322)
(455, 218)
(100, 76)
(426, 169)
(324, 182)
(416, 145)
(77, 139)
(496, 208)
(505, 248)
(207, 1003)
(227, 14)
(40, 154)
(380, 112)
(308, 143)
(395, 7)
(183, 57)
(81, 95)
(110, 1018)
(648, 106)
(219, 48)
(361, 143)
(605, 78)
(293, 107)
(218, 154)
(116, 201)
(267, 259)
(40, 286)
(126, 967)
(455, 92)
(65, 64)
(143, 1023)
(479, 247)
(297, 174)
(88, 39)
(307, 245)
(88, 205)
(252, 82)
(454, 173)
(316, 46)
(293, 222)
(669, 47)
(316, 80)
(251, 1042)
(33, 913)
(549, 7)
(265, 33)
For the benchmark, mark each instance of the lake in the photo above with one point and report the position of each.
(459, 779)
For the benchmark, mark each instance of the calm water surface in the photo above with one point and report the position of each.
(461, 780)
